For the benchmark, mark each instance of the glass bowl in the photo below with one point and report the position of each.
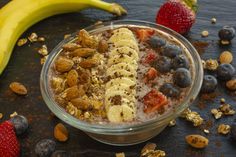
(131, 133)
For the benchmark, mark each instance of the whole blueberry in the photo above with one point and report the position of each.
(227, 33)
(156, 42)
(61, 153)
(225, 71)
(182, 78)
(170, 90)
(171, 51)
(233, 131)
(180, 61)
(162, 64)
(20, 123)
(209, 84)
(45, 148)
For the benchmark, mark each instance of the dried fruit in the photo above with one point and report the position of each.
(83, 52)
(22, 42)
(71, 46)
(231, 84)
(61, 133)
(197, 141)
(88, 63)
(73, 92)
(205, 33)
(226, 57)
(223, 129)
(63, 64)
(72, 78)
(18, 88)
(211, 64)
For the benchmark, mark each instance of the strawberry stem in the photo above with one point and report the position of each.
(192, 4)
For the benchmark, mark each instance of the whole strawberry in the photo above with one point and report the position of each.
(178, 15)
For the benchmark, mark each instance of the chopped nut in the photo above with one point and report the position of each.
(88, 63)
(197, 141)
(33, 37)
(63, 64)
(222, 100)
(83, 52)
(217, 114)
(71, 109)
(43, 59)
(18, 88)
(87, 115)
(211, 64)
(86, 40)
(72, 78)
(58, 84)
(226, 109)
(223, 129)
(13, 114)
(193, 117)
(225, 42)
(213, 20)
(67, 36)
(205, 33)
(226, 57)
(231, 84)
(206, 131)
(1, 115)
(61, 133)
(41, 39)
(149, 151)
(22, 42)
(71, 46)
(172, 123)
(43, 50)
(120, 154)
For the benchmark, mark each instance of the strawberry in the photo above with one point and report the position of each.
(150, 57)
(151, 74)
(9, 145)
(154, 100)
(178, 15)
(144, 34)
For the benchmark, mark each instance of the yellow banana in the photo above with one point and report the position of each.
(19, 15)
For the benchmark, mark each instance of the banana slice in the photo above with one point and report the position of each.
(119, 36)
(123, 30)
(121, 59)
(122, 73)
(129, 43)
(125, 50)
(128, 113)
(124, 66)
(123, 80)
(121, 93)
(114, 114)
(122, 87)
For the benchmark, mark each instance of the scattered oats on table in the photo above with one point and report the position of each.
(205, 33)
(217, 114)
(43, 50)
(213, 20)
(13, 114)
(33, 37)
(22, 42)
(211, 64)
(120, 154)
(223, 129)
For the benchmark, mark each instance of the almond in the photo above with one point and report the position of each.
(61, 133)
(18, 88)
(72, 78)
(74, 92)
(197, 141)
(63, 64)
(226, 57)
(70, 46)
(88, 63)
(231, 84)
(83, 52)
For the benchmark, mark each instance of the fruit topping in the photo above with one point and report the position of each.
(182, 78)
(20, 123)
(180, 61)
(170, 90)
(171, 51)
(45, 148)
(151, 74)
(227, 33)
(209, 84)
(225, 71)
(144, 34)
(162, 64)
(153, 101)
(156, 42)
(150, 57)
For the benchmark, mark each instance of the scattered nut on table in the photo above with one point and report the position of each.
(231, 84)
(226, 57)
(18, 88)
(33, 37)
(205, 33)
(213, 20)
(22, 42)
(211, 64)
(61, 133)
(217, 114)
(223, 129)
(197, 141)
(120, 154)
(149, 150)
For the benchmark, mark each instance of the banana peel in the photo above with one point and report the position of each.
(18, 15)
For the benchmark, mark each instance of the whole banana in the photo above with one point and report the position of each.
(18, 15)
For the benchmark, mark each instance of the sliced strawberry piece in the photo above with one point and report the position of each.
(144, 34)
(150, 57)
(9, 145)
(153, 101)
(151, 74)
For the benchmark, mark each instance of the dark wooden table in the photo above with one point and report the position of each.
(25, 67)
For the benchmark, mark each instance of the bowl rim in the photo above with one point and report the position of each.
(121, 129)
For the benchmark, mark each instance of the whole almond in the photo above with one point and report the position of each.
(63, 64)
(226, 57)
(197, 141)
(18, 88)
(74, 92)
(61, 133)
(72, 78)
(231, 84)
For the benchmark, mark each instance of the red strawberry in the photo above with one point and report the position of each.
(151, 74)
(154, 100)
(144, 34)
(9, 145)
(150, 57)
(178, 15)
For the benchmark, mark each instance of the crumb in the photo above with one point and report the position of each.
(223, 129)
(120, 154)
(67, 36)
(205, 33)
(41, 39)
(206, 131)
(33, 37)
(222, 100)
(13, 114)
(22, 42)
(1, 115)
(43, 50)
(213, 20)
(172, 123)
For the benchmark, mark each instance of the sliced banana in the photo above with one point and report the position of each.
(121, 93)
(122, 73)
(116, 81)
(122, 59)
(125, 50)
(119, 36)
(114, 114)
(128, 113)
(129, 43)
(122, 87)
(123, 30)
(122, 65)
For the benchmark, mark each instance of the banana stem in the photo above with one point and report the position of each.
(113, 8)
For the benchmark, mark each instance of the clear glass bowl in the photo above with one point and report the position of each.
(122, 134)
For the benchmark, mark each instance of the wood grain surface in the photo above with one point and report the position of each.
(25, 67)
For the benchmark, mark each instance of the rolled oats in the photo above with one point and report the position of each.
(226, 109)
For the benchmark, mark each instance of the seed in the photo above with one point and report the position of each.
(61, 133)
(231, 84)
(205, 33)
(213, 20)
(223, 129)
(22, 42)
(222, 100)
(206, 131)
(226, 57)
(18, 88)
(63, 64)
(13, 114)
(197, 141)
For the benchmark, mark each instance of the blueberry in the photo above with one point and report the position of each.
(233, 131)
(45, 148)
(156, 42)
(182, 78)
(209, 84)
(170, 90)
(60, 153)
(171, 51)
(20, 123)
(225, 71)
(162, 64)
(227, 33)
(180, 61)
